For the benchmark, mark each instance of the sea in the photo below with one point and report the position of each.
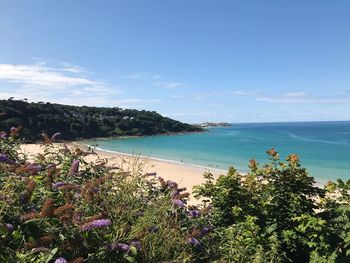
(323, 147)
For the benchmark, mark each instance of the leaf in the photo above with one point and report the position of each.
(52, 253)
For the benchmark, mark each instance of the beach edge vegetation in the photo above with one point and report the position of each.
(60, 208)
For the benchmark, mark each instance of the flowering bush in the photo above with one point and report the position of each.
(59, 207)
(276, 213)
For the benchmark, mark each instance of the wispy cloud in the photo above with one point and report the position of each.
(295, 94)
(37, 75)
(137, 75)
(305, 100)
(140, 75)
(171, 85)
(192, 96)
(66, 83)
(240, 93)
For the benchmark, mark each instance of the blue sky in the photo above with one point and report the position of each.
(234, 61)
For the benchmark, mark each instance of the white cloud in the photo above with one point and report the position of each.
(66, 84)
(305, 100)
(171, 85)
(240, 93)
(295, 94)
(135, 75)
(37, 75)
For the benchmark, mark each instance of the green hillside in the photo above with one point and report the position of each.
(84, 122)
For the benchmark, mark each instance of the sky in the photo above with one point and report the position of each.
(191, 60)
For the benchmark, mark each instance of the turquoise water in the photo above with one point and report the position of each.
(323, 147)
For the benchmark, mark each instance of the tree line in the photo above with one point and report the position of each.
(85, 122)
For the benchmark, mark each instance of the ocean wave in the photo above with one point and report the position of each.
(306, 139)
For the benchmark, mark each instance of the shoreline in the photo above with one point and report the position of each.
(186, 175)
(152, 158)
(213, 170)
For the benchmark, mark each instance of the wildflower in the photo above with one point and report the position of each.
(194, 213)
(46, 139)
(162, 182)
(48, 239)
(272, 152)
(293, 158)
(14, 131)
(33, 168)
(55, 136)
(171, 184)
(48, 208)
(61, 260)
(96, 224)
(204, 231)
(136, 244)
(193, 241)
(3, 135)
(63, 209)
(70, 187)
(174, 194)
(151, 174)
(51, 166)
(5, 159)
(119, 247)
(184, 195)
(78, 260)
(206, 209)
(29, 216)
(58, 184)
(9, 227)
(74, 167)
(178, 202)
(253, 164)
(182, 189)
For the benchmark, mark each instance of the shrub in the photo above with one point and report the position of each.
(60, 207)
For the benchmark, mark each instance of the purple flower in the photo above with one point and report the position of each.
(119, 247)
(58, 184)
(74, 168)
(174, 193)
(34, 168)
(194, 213)
(51, 166)
(96, 224)
(55, 136)
(3, 135)
(9, 227)
(204, 231)
(182, 189)
(60, 260)
(152, 174)
(136, 244)
(193, 241)
(5, 159)
(171, 184)
(178, 202)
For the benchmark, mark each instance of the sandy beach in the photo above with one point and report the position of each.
(185, 175)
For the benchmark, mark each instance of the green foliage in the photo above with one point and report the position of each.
(276, 213)
(84, 122)
(59, 204)
(48, 206)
